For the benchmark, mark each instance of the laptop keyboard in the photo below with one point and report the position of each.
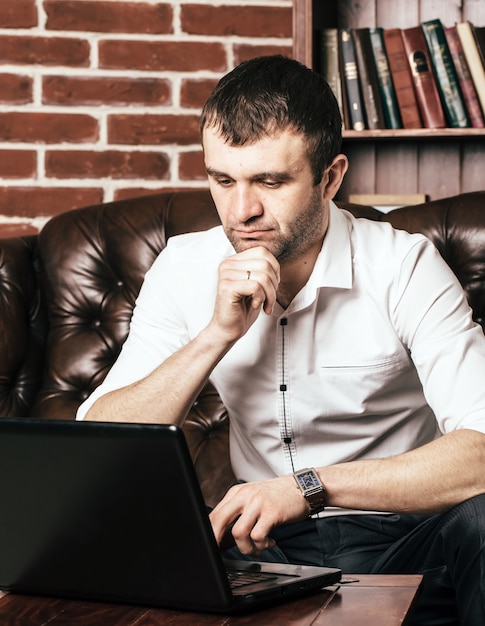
(242, 578)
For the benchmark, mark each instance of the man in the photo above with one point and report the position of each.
(339, 346)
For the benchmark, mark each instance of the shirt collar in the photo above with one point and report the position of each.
(333, 267)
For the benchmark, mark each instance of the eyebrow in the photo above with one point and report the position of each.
(215, 173)
(276, 176)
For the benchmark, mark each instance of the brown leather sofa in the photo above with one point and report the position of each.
(66, 298)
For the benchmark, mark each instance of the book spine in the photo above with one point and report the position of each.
(469, 93)
(371, 94)
(466, 34)
(427, 92)
(445, 74)
(351, 76)
(479, 32)
(390, 107)
(401, 78)
(329, 65)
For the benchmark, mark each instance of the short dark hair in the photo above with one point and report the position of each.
(271, 93)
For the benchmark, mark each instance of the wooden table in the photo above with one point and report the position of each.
(372, 601)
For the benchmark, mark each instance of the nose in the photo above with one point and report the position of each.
(246, 203)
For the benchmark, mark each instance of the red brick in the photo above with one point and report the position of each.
(109, 17)
(194, 92)
(45, 51)
(17, 230)
(243, 52)
(45, 201)
(182, 56)
(243, 21)
(15, 89)
(153, 129)
(18, 14)
(113, 163)
(17, 163)
(47, 127)
(191, 166)
(77, 90)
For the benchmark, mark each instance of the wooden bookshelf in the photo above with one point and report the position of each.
(425, 133)
(435, 162)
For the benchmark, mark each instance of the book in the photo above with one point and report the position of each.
(479, 32)
(445, 73)
(345, 101)
(401, 78)
(468, 91)
(427, 92)
(369, 83)
(466, 34)
(329, 64)
(351, 80)
(392, 117)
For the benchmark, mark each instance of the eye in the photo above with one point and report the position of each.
(271, 184)
(271, 181)
(224, 182)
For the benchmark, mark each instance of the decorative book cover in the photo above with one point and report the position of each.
(369, 83)
(468, 91)
(329, 65)
(390, 106)
(401, 78)
(445, 74)
(427, 92)
(351, 76)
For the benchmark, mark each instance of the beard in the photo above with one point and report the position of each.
(298, 237)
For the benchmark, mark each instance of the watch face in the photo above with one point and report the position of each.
(309, 480)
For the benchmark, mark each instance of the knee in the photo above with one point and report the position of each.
(466, 522)
(471, 511)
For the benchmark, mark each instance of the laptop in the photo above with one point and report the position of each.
(114, 512)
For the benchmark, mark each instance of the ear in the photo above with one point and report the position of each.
(334, 175)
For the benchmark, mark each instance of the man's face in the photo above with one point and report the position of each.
(265, 195)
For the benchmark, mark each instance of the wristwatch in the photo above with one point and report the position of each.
(312, 489)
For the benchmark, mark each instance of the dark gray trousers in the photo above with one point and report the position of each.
(447, 549)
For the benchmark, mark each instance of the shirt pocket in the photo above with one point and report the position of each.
(367, 387)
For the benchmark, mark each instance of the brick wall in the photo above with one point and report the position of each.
(100, 99)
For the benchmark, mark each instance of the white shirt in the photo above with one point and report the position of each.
(381, 319)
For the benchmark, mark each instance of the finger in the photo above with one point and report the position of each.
(268, 291)
(251, 536)
(260, 533)
(254, 278)
(241, 532)
(258, 261)
(235, 515)
(224, 514)
(251, 294)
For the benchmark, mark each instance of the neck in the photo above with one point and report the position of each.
(295, 275)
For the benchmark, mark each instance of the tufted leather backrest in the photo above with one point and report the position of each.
(23, 327)
(456, 226)
(92, 262)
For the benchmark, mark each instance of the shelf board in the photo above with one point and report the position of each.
(414, 133)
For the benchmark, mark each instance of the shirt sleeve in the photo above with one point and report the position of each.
(434, 320)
